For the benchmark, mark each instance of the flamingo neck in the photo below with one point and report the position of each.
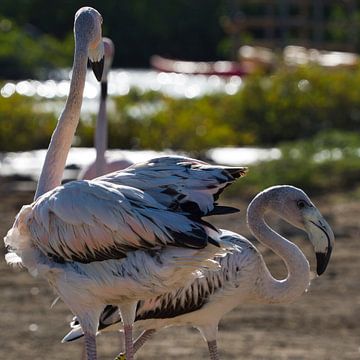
(297, 281)
(63, 134)
(100, 138)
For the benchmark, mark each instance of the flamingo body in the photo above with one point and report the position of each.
(91, 172)
(114, 242)
(202, 303)
(243, 276)
(99, 242)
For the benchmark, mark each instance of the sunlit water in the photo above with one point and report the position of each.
(27, 164)
(234, 156)
(120, 81)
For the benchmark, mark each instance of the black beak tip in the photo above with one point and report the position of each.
(322, 260)
(98, 68)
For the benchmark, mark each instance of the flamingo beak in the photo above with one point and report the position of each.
(323, 254)
(98, 68)
(322, 238)
(322, 261)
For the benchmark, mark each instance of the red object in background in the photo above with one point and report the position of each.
(220, 68)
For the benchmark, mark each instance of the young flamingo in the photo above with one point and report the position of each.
(243, 277)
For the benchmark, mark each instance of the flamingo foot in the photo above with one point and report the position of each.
(121, 356)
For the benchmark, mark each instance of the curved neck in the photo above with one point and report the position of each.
(100, 137)
(298, 278)
(63, 134)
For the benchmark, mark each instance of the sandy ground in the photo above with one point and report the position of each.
(322, 324)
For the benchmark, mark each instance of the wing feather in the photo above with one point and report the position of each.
(85, 221)
(179, 183)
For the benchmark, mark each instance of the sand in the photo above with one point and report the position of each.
(322, 324)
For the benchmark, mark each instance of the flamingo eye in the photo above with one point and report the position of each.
(301, 204)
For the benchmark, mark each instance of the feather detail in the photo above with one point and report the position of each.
(223, 274)
(179, 183)
(84, 221)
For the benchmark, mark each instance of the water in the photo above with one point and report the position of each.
(234, 156)
(27, 164)
(120, 81)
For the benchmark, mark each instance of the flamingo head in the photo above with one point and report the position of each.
(87, 28)
(295, 207)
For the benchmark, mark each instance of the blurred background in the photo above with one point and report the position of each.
(274, 85)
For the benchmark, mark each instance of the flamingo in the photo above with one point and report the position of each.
(98, 242)
(244, 276)
(101, 165)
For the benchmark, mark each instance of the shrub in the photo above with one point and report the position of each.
(330, 161)
(291, 104)
(158, 122)
(25, 53)
(22, 125)
(297, 103)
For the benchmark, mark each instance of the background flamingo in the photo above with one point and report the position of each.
(101, 165)
(243, 278)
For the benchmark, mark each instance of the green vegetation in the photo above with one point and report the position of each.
(140, 29)
(330, 161)
(160, 122)
(26, 53)
(289, 105)
(312, 114)
(22, 125)
(296, 103)
(35, 33)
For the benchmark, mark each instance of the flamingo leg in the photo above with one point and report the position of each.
(138, 343)
(213, 351)
(89, 320)
(143, 338)
(122, 342)
(129, 348)
(90, 346)
(83, 352)
(128, 313)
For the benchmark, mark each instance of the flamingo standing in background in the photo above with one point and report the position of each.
(97, 242)
(101, 165)
(244, 276)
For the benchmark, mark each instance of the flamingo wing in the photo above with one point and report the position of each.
(89, 221)
(180, 183)
(184, 300)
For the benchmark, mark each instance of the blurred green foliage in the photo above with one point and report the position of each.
(312, 114)
(298, 102)
(330, 161)
(293, 103)
(160, 122)
(177, 28)
(22, 125)
(25, 54)
(190, 30)
(289, 105)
